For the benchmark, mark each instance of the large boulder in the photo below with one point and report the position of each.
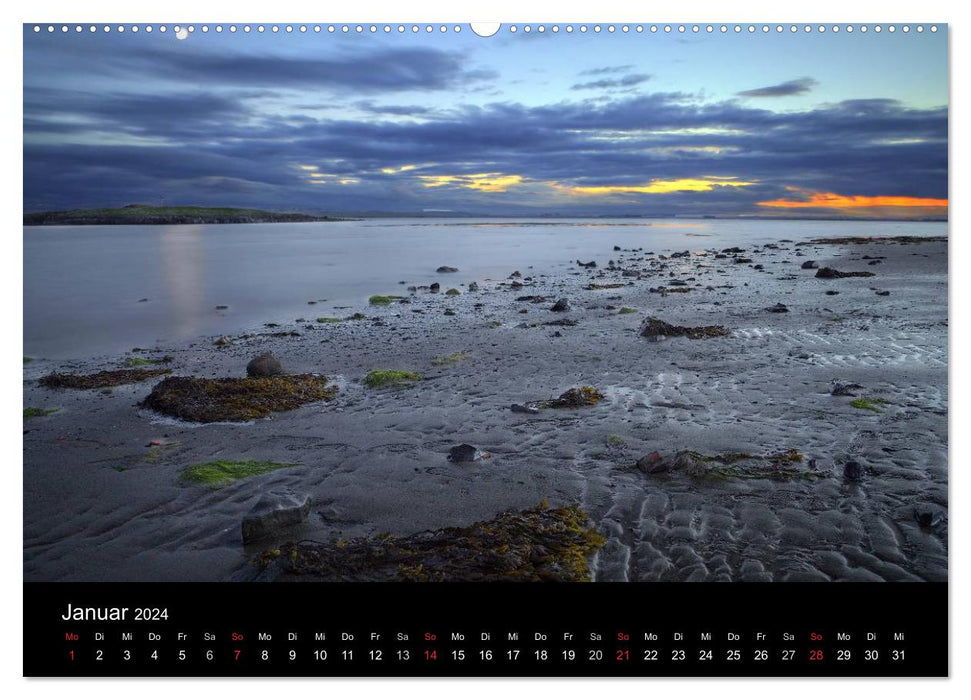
(275, 510)
(265, 365)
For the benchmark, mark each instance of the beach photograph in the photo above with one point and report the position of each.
(560, 304)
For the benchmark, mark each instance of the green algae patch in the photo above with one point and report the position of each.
(147, 361)
(34, 412)
(380, 300)
(100, 380)
(868, 404)
(452, 359)
(329, 319)
(224, 472)
(28, 359)
(537, 544)
(778, 466)
(378, 378)
(626, 310)
(235, 399)
(453, 292)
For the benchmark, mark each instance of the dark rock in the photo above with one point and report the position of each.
(831, 292)
(265, 365)
(446, 268)
(221, 307)
(829, 273)
(434, 287)
(616, 247)
(809, 265)
(743, 260)
(515, 275)
(275, 509)
(733, 250)
(875, 262)
(561, 305)
(473, 286)
(853, 471)
(838, 388)
(778, 309)
(653, 463)
(592, 263)
(465, 453)
(221, 341)
(883, 294)
(684, 254)
(524, 408)
(927, 516)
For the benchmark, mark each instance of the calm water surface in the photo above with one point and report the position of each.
(84, 285)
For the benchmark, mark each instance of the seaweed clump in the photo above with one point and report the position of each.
(452, 359)
(224, 472)
(235, 399)
(537, 544)
(779, 466)
(382, 300)
(655, 329)
(574, 398)
(100, 380)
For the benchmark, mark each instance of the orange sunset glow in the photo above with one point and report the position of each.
(831, 200)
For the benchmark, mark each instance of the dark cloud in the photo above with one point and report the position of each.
(793, 87)
(233, 129)
(626, 81)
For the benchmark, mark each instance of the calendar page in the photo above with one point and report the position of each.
(515, 349)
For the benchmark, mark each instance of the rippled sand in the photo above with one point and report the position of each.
(101, 505)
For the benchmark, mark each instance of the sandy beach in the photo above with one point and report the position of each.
(103, 498)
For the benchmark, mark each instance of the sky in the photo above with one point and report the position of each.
(580, 124)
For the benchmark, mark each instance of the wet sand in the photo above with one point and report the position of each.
(100, 504)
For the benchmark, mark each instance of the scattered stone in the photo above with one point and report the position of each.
(473, 286)
(883, 294)
(853, 471)
(434, 287)
(221, 341)
(465, 453)
(743, 261)
(562, 322)
(561, 305)
(275, 510)
(927, 516)
(446, 268)
(524, 408)
(652, 463)
(265, 365)
(515, 275)
(831, 292)
(591, 264)
(778, 309)
(839, 388)
(685, 254)
(829, 273)
(616, 247)
(656, 329)
(221, 307)
(809, 265)
(733, 250)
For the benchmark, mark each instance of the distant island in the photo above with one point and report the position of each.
(144, 214)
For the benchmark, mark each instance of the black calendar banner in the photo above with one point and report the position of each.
(637, 630)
